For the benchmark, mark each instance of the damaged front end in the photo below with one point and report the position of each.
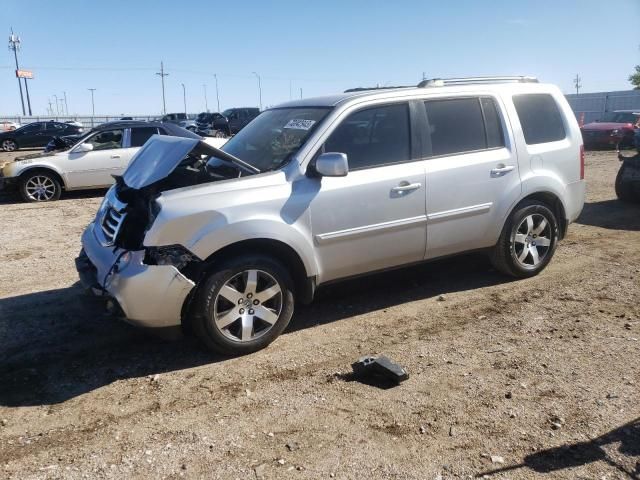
(148, 284)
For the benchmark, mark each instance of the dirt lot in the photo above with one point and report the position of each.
(534, 378)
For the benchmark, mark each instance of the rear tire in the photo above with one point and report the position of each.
(624, 192)
(528, 240)
(243, 305)
(39, 186)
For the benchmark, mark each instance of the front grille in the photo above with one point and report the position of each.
(111, 223)
(111, 217)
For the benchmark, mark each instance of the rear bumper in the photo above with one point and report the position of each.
(575, 200)
(148, 295)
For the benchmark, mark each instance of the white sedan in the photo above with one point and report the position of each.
(90, 163)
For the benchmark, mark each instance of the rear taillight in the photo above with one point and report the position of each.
(581, 162)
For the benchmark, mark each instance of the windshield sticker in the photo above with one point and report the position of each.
(299, 124)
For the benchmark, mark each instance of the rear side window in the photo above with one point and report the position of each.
(373, 137)
(461, 125)
(140, 135)
(540, 118)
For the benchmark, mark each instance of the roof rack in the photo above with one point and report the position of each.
(441, 82)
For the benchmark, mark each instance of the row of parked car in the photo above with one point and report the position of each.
(40, 134)
(216, 124)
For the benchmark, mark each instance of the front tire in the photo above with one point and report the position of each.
(243, 305)
(39, 186)
(9, 145)
(528, 240)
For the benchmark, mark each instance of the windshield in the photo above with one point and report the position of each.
(620, 117)
(269, 141)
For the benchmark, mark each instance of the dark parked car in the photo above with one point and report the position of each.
(36, 134)
(229, 122)
(615, 128)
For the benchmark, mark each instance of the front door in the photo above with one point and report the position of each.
(95, 168)
(472, 175)
(375, 216)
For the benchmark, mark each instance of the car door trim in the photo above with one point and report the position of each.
(323, 238)
(459, 212)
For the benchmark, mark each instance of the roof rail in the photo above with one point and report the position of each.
(441, 82)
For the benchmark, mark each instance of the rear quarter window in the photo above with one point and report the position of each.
(540, 118)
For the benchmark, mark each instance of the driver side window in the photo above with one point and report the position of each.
(106, 140)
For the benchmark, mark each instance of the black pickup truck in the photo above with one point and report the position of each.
(229, 122)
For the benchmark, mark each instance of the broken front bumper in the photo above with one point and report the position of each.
(149, 295)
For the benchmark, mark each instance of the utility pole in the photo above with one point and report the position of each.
(93, 108)
(259, 89)
(57, 105)
(184, 98)
(50, 107)
(424, 76)
(66, 106)
(26, 88)
(217, 96)
(578, 85)
(162, 75)
(206, 105)
(14, 44)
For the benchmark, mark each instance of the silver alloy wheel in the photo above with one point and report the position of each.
(248, 305)
(532, 240)
(9, 145)
(40, 188)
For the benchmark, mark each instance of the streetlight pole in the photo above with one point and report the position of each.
(57, 106)
(162, 75)
(259, 89)
(206, 105)
(66, 106)
(184, 98)
(14, 44)
(217, 95)
(93, 108)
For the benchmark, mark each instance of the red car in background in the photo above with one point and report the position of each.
(612, 129)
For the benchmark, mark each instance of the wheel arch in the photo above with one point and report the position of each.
(41, 168)
(304, 285)
(554, 202)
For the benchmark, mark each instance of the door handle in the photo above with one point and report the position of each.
(406, 187)
(502, 169)
(115, 156)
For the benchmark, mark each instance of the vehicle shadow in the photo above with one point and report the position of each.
(611, 214)
(14, 198)
(59, 344)
(626, 438)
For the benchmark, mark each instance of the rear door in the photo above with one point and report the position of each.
(472, 174)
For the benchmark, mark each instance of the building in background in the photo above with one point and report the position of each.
(594, 105)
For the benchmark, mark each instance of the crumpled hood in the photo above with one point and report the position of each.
(159, 157)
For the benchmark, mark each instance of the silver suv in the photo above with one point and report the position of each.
(326, 188)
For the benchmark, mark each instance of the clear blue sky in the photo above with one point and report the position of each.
(322, 47)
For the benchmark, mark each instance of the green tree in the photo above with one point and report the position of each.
(635, 78)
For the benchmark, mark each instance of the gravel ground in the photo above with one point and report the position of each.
(510, 379)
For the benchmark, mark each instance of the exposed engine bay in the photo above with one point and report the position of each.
(164, 163)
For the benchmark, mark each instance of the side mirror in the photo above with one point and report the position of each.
(84, 147)
(332, 164)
